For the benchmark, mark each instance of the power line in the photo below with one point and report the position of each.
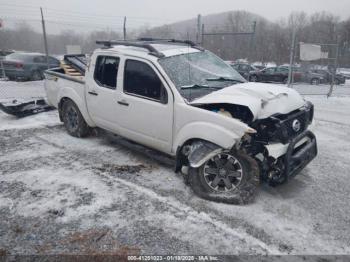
(87, 25)
(83, 20)
(82, 14)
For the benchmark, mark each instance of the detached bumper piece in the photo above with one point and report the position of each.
(299, 156)
(25, 108)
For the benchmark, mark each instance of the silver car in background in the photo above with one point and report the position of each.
(27, 66)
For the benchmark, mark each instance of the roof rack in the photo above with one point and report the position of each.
(146, 42)
(170, 40)
(151, 49)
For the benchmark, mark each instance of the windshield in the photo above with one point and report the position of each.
(198, 74)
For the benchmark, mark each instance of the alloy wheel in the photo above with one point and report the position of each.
(223, 172)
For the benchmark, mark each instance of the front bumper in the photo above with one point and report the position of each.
(299, 156)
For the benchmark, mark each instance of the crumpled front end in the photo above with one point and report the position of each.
(283, 144)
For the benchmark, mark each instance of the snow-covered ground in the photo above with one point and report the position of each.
(60, 194)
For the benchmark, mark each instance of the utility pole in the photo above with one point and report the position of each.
(252, 39)
(291, 60)
(1, 65)
(124, 28)
(335, 69)
(45, 38)
(202, 40)
(199, 29)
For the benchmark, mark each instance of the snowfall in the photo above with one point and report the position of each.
(103, 194)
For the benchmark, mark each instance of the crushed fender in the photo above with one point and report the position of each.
(201, 151)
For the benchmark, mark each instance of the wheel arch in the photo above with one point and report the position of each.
(68, 94)
(216, 135)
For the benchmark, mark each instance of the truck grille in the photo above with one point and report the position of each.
(293, 124)
(284, 128)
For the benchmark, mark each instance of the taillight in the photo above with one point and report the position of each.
(19, 65)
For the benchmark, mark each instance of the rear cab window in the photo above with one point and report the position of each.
(141, 80)
(106, 71)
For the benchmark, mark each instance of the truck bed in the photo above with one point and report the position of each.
(56, 80)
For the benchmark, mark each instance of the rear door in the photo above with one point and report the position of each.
(146, 105)
(101, 96)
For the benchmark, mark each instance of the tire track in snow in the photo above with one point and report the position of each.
(204, 217)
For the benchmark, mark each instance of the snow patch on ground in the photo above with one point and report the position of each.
(47, 119)
(72, 184)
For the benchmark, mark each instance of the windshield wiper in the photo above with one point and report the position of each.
(196, 86)
(224, 79)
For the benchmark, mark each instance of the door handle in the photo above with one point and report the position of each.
(123, 103)
(93, 93)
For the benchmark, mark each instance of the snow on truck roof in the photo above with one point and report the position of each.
(166, 49)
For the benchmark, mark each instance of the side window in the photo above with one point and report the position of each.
(235, 67)
(270, 70)
(39, 59)
(141, 80)
(53, 60)
(106, 71)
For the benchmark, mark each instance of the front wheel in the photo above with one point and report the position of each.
(36, 76)
(73, 120)
(253, 78)
(229, 177)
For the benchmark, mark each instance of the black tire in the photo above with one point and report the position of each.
(241, 193)
(337, 82)
(73, 120)
(253, 78)
(285, 81)
(37, 76)
(315, 81)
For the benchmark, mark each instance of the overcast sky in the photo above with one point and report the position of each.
(156, 12)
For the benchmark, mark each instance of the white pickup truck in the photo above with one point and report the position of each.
(224, 133)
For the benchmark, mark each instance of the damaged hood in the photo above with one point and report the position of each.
(263, 100)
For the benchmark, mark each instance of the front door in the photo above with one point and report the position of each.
(146, 106)
(268, 75)
(101, 94)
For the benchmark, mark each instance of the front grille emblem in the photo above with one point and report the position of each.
(296, 125)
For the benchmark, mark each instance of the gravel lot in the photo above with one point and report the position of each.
(103, 194)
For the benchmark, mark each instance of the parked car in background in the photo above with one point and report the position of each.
(244, 69)
(312, 77)
(4, 53)
(272, 74)
(345, 72)
(259, 67)
(305, 76)
(327, 76)
(27, 66)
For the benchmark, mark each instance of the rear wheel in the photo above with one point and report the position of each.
(228, 177)
(73, 120)
(36, 76)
